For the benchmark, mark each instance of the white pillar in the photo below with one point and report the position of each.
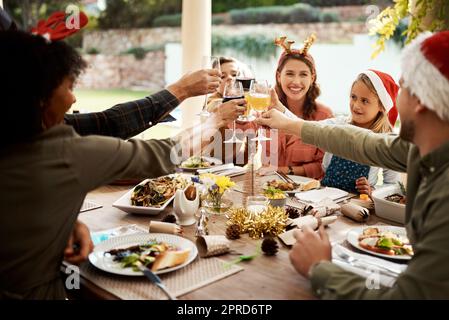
(196, 43)
(1, 3)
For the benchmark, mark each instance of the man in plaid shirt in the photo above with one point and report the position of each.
(128, 119)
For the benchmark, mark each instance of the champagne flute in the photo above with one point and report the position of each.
(260, 99)
(246, 80)
(233, 90)
(209, 63)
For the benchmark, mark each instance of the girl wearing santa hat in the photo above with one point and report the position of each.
(373, 106)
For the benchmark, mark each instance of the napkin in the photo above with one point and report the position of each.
(164, 227)
(370, 271)
(316, 196)
(104, 235)
(216, 169)
(355, 212)
(228, 169)
(310, 221)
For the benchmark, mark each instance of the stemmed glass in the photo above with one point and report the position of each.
(246, 83)
(256, 204)
(260, 99)
(209, 63)
(233, 90)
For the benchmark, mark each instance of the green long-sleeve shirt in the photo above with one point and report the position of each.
(43, 185)
(427, 213)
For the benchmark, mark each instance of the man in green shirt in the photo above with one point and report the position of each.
(421, 150)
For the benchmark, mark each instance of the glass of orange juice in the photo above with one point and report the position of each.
(259, 98)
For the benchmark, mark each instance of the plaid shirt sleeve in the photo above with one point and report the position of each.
(127, 119)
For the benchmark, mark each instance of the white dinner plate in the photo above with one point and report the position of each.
(217, 162)
(106, 262)
(124, 202)
(353, 239)
(264, 180)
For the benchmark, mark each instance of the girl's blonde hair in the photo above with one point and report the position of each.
(381, 124)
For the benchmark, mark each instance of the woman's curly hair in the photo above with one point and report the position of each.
(31, 69)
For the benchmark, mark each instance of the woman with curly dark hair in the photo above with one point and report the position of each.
(46, 169)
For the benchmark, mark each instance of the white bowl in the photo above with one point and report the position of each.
(388, 209)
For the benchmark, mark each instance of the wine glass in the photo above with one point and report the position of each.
(209, 63)
(233, 90)
(246, 80)
(260, 99)
(256, 204)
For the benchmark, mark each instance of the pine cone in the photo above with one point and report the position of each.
(169, 218)
(233, 232)
(270, 246)
(293, 212)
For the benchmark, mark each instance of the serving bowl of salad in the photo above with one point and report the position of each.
(276, 197)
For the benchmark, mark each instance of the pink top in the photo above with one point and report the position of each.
(293, 152)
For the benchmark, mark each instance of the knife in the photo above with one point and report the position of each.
(155, 279)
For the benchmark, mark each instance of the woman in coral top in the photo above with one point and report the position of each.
(297, 89)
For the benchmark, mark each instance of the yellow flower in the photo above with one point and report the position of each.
(223, 183)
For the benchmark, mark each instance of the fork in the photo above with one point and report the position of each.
(358, 263)
(155, 279)
(287, 179)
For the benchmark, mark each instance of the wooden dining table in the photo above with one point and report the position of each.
(263, 278)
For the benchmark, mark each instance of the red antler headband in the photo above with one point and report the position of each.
(57, 27)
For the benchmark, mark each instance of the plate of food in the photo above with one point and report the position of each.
(199, 162)
(383, 241)
(151, 196)
(160, 252)
(298, 184)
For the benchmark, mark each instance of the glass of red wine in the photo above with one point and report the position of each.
(233, 90)
(245, 77)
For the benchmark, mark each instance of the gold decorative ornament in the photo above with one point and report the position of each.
(270, 222)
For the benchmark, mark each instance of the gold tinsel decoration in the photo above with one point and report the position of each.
(270, 222)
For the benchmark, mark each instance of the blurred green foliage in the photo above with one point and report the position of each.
(252, 45)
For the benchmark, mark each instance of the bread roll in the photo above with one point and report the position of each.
(170, 258)
(314, 184)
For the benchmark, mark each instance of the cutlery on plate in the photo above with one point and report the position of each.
(364, 263)
(287, 179)
(155, 279)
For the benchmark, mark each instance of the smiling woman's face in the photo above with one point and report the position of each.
(59, 103)
(295, 79)
(364, 105)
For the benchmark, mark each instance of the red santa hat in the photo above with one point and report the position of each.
(387, 91)
(425, 71)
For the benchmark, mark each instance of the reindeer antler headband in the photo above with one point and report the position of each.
(56, 27)
(281, 42)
